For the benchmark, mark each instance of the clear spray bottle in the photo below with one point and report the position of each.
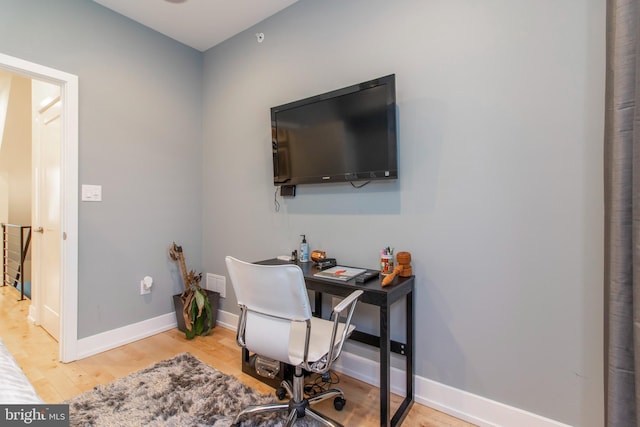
(304, 249)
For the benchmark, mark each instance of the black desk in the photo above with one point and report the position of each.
(384, 298)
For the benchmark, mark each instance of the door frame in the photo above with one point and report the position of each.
(68, 344)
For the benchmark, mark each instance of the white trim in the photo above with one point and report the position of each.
(69, 208)
(127, 334)
(457, 403)
(476, 409)
(466, 406)
(227, 320)
(32, 314)
(69, 288)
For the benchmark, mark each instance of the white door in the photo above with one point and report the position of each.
(47, 233)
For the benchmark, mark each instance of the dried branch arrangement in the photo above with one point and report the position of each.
(196, 306)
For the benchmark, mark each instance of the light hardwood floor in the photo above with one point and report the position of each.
(37, 354)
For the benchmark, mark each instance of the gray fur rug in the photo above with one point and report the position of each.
(179, 392)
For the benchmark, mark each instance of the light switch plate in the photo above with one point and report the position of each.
(91, 193)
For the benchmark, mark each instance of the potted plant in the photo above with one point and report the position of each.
(195, 312)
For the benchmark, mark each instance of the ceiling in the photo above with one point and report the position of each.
(200, 24)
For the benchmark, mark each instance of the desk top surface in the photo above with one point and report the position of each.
(374, 292)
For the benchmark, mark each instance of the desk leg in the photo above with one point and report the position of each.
(406, 404)
(385, 366)
(410, 342)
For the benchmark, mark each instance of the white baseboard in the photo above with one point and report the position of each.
(127, 334)
(457, 403)
(227, 320)
(32, 318)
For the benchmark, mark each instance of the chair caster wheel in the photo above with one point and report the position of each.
(281, 393)
(339, 403)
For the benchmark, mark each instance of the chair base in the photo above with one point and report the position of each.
(298, 406)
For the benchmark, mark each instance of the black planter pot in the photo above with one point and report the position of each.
(213, 297)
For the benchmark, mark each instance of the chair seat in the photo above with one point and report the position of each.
(318, 341)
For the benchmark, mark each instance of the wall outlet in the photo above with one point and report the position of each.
(217, 283)
(145, 285)
(143, 289)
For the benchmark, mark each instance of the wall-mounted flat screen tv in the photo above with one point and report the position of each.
(344, 135)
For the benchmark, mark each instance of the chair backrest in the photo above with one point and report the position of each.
(273, 297)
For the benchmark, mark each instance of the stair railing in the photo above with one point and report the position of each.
(16, 240)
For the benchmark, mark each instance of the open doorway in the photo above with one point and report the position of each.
(30, 167)
(16, 180)
(66, 237)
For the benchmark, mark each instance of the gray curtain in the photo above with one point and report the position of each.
(622, 214)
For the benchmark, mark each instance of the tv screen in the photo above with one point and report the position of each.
(344, 135)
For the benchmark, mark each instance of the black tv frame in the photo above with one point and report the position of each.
(388, 174)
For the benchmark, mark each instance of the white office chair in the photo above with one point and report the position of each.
(276, 322)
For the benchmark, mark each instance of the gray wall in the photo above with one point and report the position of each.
(499, 199)
(140, 138)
